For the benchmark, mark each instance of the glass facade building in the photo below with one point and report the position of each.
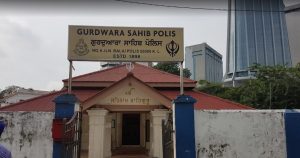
(257, 33)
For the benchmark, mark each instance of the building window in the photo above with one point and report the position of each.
(147, 131)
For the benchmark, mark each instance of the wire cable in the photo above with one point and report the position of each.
(170, 6)
(194, 8)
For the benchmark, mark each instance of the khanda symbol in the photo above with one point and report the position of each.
(172, 48)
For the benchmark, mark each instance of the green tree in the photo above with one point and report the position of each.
(281, 85)
(172, 68)
(219, 90)
(276, 87)
(211, 88)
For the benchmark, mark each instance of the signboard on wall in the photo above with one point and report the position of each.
(95, 43)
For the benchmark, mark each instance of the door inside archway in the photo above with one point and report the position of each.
(131, 129)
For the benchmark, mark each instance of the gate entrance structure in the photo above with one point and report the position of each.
(126, 114)
(168, 143)
(129, 102)
(131, 44)
(72, 136)
(66, 127)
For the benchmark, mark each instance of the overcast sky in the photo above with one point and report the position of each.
(34, 34)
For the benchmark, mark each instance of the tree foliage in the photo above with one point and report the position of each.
(275, 87)
(172, 68)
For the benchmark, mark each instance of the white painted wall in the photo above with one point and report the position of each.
(28, 134)
(220, 134)
(240, 134)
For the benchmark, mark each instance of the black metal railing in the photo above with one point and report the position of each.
(72, 136)
(167, 133)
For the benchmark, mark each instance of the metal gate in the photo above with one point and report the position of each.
(167, 133)
(72, 136)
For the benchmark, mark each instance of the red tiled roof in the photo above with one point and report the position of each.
(45, 103)
(206, 101)
(144, 73)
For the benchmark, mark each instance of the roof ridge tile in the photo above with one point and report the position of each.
(165, 72)
(94, 72)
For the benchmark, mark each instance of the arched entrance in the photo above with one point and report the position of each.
(125, 119)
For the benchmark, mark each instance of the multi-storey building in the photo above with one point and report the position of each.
(292, 13)
(204, 63)
(257, 33)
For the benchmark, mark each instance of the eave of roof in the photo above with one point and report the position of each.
(44, 103)
(206, 101)
(46, 109)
